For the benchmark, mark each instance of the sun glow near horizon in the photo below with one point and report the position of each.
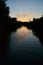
(22, 17)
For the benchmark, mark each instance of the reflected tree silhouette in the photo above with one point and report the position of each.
(37, 27)
(8, 25)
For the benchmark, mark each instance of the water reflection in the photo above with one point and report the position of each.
(24, 47)
(22, 33)
(23, 38)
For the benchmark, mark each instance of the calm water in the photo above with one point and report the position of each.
(23, 38)
(24, 46)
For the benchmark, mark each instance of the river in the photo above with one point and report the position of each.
(24, 47)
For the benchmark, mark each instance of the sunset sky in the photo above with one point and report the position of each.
(25, 10)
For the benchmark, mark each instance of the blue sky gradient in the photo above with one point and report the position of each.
(31, 8)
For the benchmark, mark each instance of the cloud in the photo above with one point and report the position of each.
(23, 17)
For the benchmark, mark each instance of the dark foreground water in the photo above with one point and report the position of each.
(24, 48)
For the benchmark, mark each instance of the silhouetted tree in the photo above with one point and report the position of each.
(37, 27)
(4, 25)
(4, 12)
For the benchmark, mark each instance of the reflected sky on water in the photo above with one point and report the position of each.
(23, 38)
(24, 47)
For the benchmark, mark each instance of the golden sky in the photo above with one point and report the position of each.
(24, 17)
